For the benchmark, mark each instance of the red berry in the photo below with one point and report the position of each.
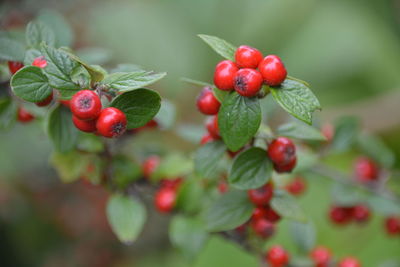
(262, 227)
(222, 187)
(14, 66)
(84, 126)
(277, 256)
(212, 127)
(23, 115)
(261, 196)
(207, 103)
(224, 75)
(271, 215)
(206, 138)
(321, 256)
(281, 151)
(272, 70)
(165, 199)
(46, 101)
(392, 225)
(111, 122)
(171, 183)
(349, 262)
(259, 213)
(247, 57)
(296, 186)
(286, 167)
(40, 62)
(341, 215)
(366, 169)
(328, 131)
(248, 82)
(86, 105)
(361, 213)
(150, 165)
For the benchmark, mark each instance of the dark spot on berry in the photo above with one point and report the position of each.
(241, 83)
(118, 128)
(85, 102)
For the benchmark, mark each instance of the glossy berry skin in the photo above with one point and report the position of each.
(165, 199)
(366, 170)
(392, 225)
(321, 256)
(361, 213)
(261, 196)
(349, 262)
(111, 122)
(286, 167)
(247, 57)
(14, 66)
(277, 256)
(207, 103)
(259, 213)
(272, 70)
(40, 62)
(212, 127)
(84, 126)
(24, 116)
(281, 151)
(262, 227)
(271, 215)
(85, 105)
(224, 75)
(248, 82)
(150, 165)
(341, 215)
(296, 187)
(46, 101)
(206, 139)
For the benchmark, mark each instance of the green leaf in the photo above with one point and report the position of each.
(95, 74)
(11, 49)
(30, 55)
(300, 130)
(207, 157)
(346, 131)
(297, 99)
(229, 211)
(61, 130)
(128, 81)
(219, 94)
(69, 165)
(188, 235)
(8, 113)
(172, 166)
(60, 27)
(383, 205)
(139, 106)
(196, 82)
(287, 206)
(166, 116)
(59, 69)
(345, 195)
(126, 217)
(30, 84)
(251, 169)
(189, 194)
(374, 147)
(37, 32)
(125, 171)
(238, 119)
(220, 46)
(303, 235)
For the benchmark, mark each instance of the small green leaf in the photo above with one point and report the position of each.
(238, 119)
(61, 130)
(8, 113)
(219, 94)
(301, 131)
(37, 32)
(30, 55)
(220, 46)
(95, 74)
(374, 147)
(11, 49)
(297, 99)
(303, 235)
(60, 27)
(229, 211)
(30, 84)
(128, 81)
(287, 206)
(346, 131)
(69, 165)
(126, 217)
(172, 166)
(251, 169)
(189, 194)
(139, 106)
(207, 158)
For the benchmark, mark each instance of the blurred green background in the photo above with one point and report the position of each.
(349, 51)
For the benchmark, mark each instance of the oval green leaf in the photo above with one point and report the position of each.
(207, 158)
(287, 206)
(220, 46)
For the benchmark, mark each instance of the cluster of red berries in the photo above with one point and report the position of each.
(165, 197)
(344, 215)
(243, 76)
(392, 225)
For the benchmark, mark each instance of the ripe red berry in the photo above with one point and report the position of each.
(206, 138)
(297, 186)
(341, 215)
(262, 227)
(212, 127)
(165, 199)
(259, 213)
(84, 126)
(207, 103)
(392, 225)
(366, 170)
(224, 75)
(281, 151)
(85, 105)
(40, 62)
(361, 213)
(261, 196)
(272, 70)
(349, 262)
(222, 187)
(14, 66)
(150, 165)
(321, 256)
(248, 82)
(46, 101)
(271, 214)
(24, 116)
(277, 256)
(111, 122)
(286, 167)
(247, 57)
(328, 131)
